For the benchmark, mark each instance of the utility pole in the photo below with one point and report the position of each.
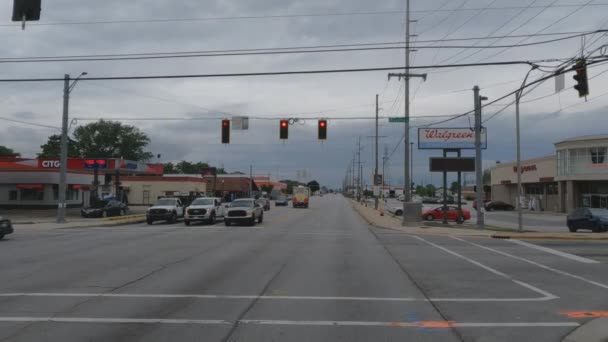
(359, 168)
(353, 173)
(384, 160)
(478, 164)
(411, 168)
(412, 215)
(250, 181)
(63, 158)
(376, 168)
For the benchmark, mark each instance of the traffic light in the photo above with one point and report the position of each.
(322, 130)
(582, 83)
(284, 129)
(26, 10)
(225, 131)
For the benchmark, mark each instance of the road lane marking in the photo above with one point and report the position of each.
(545, 294)
(422, 324)
(592, 282)
(556, 252)
(269, 297)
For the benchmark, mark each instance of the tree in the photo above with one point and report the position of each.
(102, 139)
(430, 190)
(112, 139)
(314, 186)
(52, 148)
(8, 152)
(290, 185)
(454, 187)
(421, 191)
(267, 188)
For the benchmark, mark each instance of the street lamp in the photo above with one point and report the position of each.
(518, 96)
(63, 161)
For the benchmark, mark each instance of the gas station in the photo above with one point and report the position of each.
(34, 183)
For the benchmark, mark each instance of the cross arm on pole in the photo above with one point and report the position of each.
(404, 75)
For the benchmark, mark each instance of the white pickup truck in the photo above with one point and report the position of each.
(165, 209)
(206, 209)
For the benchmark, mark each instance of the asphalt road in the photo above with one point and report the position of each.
(317, 274)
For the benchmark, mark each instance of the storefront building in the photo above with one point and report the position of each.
(582, 171)
(34, 183)
(576, 176)
(146, 190)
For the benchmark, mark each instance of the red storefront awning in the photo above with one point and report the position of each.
(79, 187)
(38, 187)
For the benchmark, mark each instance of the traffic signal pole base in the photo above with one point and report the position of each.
(412, 213)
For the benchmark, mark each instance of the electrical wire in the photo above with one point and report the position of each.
(143, 56)
(275, 73)
(29, 123)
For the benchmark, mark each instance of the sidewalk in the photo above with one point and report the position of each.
(46, 219)
(391, 222)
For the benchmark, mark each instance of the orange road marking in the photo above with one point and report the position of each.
(436, 324)
(586, 314)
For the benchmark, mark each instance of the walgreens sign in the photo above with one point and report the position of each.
(443, 138)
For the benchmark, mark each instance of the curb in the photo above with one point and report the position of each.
(126, 217)
(592, 331)
(113, 224)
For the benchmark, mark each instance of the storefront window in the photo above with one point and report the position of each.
(552, 189)
(534, 189)
(70, 194)
(31, 195)
(12, 195)
(598, 155)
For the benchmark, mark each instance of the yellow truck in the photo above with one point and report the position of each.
(301, 196)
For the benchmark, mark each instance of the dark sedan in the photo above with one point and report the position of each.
(595, 220)
(105, 208)
(498, 205)
(281, 201)
(6, 227)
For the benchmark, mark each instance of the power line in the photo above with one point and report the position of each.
(216, 53)
(29, 123)
(287, 16)
(276, 73)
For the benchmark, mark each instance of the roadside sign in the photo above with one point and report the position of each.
(378, 179)
(452, 164)
(450, 138)
(397, 119)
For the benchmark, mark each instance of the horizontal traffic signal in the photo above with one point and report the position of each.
(322, 130)
(284, 129)
(26, 10)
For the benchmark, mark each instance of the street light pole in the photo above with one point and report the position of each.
(518, 96)
(411, 169)
(63, 159)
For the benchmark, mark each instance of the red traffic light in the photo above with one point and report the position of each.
(322, 130)
(284, 129)
(225, 131)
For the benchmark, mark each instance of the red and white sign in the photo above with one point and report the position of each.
(73, 163)
(525, 168)
(446, 138)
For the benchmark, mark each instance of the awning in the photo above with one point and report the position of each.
(80, 187)
(38, 187)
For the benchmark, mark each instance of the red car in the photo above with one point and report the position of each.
(452, 213)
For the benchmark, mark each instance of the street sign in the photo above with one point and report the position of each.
(452, 164)
(450, 138)
(378, 179)
(397, 119)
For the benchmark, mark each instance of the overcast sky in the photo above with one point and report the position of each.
(445, 92)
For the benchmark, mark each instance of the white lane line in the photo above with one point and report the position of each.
(555, 252)
(255, 297)
(588, 281)
(422, 324)
(113, 320)
(545, 294)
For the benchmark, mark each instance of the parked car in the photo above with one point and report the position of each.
(595, 220)
(452, 214)
(244, 210)
(498, 205)
(484, 203)
(401, 198)
(165, 209)
(206, 209)
(105, 208)
(264, 202)
(6, 227)
(281, 201)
